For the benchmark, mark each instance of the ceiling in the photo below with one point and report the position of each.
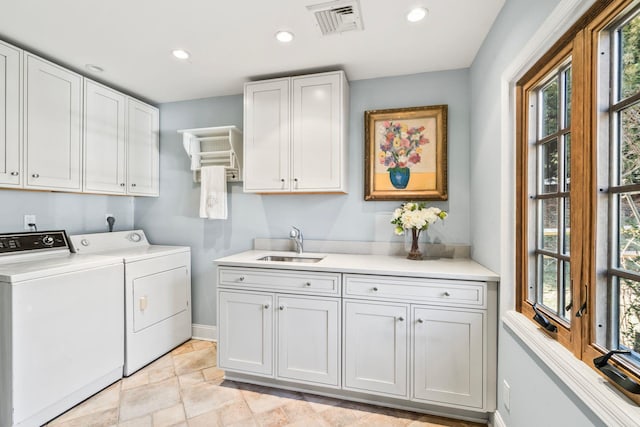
(232, 42)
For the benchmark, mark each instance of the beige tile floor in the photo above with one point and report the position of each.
(185, 388)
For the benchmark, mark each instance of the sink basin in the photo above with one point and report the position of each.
(280, 258)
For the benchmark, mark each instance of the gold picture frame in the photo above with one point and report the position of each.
(406, 153)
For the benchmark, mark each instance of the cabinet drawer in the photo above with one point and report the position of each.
(300, 282)
(439, 292)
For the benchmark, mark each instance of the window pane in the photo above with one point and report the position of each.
(549, 212)
(630, 66)
(549, 267)
(567, 162)
(549, 159)
(629, 122)
(566, 244)
(566, 283)
(629, 232)
(629, 314)
(567, 98)
(550, 108)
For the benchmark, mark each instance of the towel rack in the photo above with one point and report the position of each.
(220, 146)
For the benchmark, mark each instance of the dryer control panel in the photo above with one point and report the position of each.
(12, 243)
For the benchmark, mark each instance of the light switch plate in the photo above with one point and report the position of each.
(506, 395)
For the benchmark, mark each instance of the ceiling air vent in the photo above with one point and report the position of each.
(336, 17)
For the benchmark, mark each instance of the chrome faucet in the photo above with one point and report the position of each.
(296, 235)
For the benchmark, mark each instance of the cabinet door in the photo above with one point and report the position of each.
(448, 356)
(308, 340)
(53, 98)
(10, 171)
(376, 348)
(104, 139)
(245, 336)
(317, 138)
(266, 136)
(143, 153)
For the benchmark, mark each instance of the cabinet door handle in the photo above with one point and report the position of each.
(401, 319)
(420, 321)
(241, 278)
(281, 179)
(281, 307)
(122, 184)
(35, 175)
(14, 173)
(133, 185)
(266, 306)
(374, 289)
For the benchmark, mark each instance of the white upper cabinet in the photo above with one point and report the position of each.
(266, 136)
(143, 148)
(53, 126)
(10, 146)
(295, 134)
(104, 140)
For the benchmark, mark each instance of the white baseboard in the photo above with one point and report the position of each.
(497, 420)
(204, 332)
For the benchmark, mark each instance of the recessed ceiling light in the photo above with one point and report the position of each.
(94, 68)
(284, 36)
(181, 54)
(416, 14)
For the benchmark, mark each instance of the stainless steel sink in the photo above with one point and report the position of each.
(280, 258)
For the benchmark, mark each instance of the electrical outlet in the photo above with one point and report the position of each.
(107, 215)
(506, 395)
(29, 219)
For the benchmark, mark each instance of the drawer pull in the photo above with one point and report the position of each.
(266, 306)
(401, 319)
(374, 289)
(446, 294)
(420, 321)
(308, 284)
(241, 278)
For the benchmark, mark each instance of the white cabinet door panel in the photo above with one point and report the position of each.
(317, 142)
(10, 170)
(448, 356)
(245, 342)
(104, 140)
(53, 98)
(376, 338)
(266, 136)
(308, 339)
(143, 151)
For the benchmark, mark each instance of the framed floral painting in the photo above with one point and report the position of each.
(406, 153)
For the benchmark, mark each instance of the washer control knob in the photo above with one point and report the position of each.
(135, 237)
(47, 240)
(84, 242)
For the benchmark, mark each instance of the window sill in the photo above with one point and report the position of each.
(606, 402)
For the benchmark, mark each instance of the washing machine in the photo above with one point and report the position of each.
(61, 326)
(157, 284)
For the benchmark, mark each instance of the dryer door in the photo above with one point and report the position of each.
(160, 289)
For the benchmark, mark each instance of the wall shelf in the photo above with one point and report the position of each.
(214, 146)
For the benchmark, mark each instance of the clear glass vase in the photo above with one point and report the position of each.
(412, 243)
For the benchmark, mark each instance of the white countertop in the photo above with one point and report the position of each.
(442, 268)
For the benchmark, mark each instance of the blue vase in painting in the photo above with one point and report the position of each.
(399, 177)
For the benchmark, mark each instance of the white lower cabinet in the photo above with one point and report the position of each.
(308, 335)
(245, 332)
(448, 355)
(376, 342)
(284, 336)
(418, 343)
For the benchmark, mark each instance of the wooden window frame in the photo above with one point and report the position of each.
(581, 43)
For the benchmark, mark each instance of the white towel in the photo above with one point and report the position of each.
(213, 192)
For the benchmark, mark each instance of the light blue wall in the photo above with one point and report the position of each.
(173, 217)
(537, 396)
(75, 213)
